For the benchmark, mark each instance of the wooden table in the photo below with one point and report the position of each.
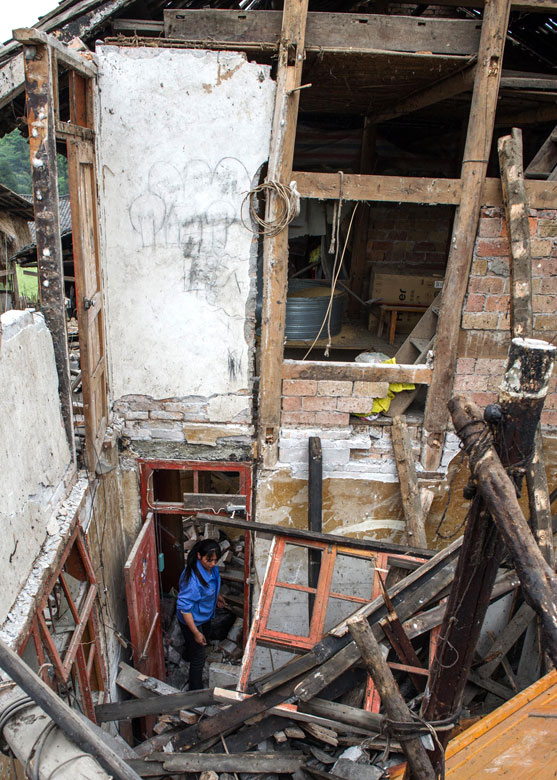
(394, 309)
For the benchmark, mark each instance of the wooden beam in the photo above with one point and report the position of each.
(250, 763)
(545, 159)
(412, 189)
(518, 227)
(410, 491)
(539, 583)
(337, 32)
(275, 248)
(71, 59)
(315, 513)
(41, 122)
(391, 698)
(452, 85)
(138, 26)
(539, 504)
(356, 372)
(474, 167)
(268, 529)
(153, 705)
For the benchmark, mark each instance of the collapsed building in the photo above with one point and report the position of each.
(295, 236)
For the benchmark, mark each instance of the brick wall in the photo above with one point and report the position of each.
(142, 418)
(327, 403)
(487, 304)
(413, 236)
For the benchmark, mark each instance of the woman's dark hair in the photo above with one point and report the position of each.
(203, 548)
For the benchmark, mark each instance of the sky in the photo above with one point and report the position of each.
(21, 13)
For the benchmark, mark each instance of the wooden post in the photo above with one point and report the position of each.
(474, 167)
(409, 488)
(70, 722)
(538, 580)
(520, 403)
(538, 501)
(391, 698)
(315, 511)
(275, 249)
(41, 122)
(516, 210)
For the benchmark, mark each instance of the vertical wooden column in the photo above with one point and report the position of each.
(473, 173)
(41, 121)
(275, 249)
(518, 227)
(315, 512)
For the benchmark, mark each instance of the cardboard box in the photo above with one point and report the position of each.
(403, 288)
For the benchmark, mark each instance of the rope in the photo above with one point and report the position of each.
(287, 205)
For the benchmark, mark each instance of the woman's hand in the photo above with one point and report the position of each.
(200, 638)
(221, 603)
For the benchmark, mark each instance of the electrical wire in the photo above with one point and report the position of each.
(287, 206)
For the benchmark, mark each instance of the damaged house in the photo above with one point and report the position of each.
(314, 265)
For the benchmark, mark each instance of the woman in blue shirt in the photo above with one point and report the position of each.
(198, 599)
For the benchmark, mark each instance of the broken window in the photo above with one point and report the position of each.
(63, 644)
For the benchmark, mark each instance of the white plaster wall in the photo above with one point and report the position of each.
(34, 453)
(182, 135)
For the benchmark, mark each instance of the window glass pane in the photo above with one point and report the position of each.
(289, 612)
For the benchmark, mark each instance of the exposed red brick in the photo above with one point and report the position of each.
(319, 404)
(465, 365)
(545, 266)
(544, 303)
(299, 387)
(483, 399)
(490, 227)
(497, 303)
(475, 302)
(292, 403)
(297, 418)
(492, 247)
(332, 418)
(486, 284)
(333, 388)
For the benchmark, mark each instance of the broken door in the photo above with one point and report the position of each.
(144, 612)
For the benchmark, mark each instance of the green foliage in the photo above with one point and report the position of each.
(15, 165)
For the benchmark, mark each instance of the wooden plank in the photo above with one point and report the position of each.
(498, 689)
(268, 529)
(408, 189)
(207, 502)
(474, 167)
(409, 489)
(153, 705)
(328, 31)
(250, 763)
(342, 713)
(138, 26)
(250, 736)
(355, 372)
(505, 641)
(518, 227)
(371, 187)
(275, 248)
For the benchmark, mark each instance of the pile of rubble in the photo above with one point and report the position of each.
(224, 652)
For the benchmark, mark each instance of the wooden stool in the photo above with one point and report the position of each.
(394, 309)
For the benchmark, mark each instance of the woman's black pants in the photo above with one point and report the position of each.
(195, 654)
